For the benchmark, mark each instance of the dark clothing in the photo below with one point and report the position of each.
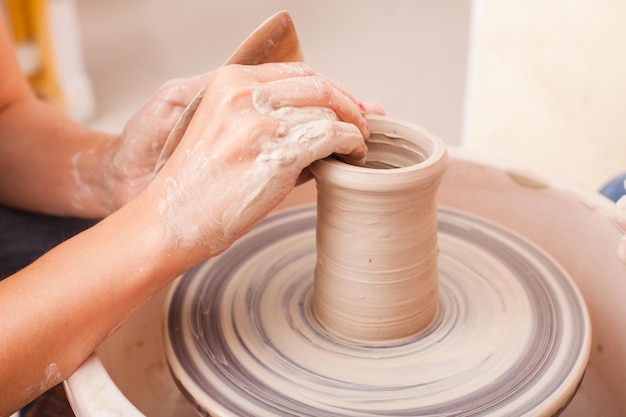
(26, 236)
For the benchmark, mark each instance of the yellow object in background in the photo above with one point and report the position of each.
(32, 42)
(47, 44)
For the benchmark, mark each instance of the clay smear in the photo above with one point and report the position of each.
(84, 192)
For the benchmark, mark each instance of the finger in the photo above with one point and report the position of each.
(311, 92)
(305, 176)
(181, 91)
(318, 132)
(372, 107)
(345, 149)
(282, 70)
(273, 71)
(343, 139)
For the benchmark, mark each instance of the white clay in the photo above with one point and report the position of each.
(51, 376)
(84, 190)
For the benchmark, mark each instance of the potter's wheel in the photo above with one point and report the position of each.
(511, 336)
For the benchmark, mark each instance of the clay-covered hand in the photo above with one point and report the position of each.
(620, 218)
(256, 129)
(368, 108)
(133, 155)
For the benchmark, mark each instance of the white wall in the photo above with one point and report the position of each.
(409, 55)
(549, 87)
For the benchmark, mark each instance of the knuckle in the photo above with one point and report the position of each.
(234, 97)
(171, 91)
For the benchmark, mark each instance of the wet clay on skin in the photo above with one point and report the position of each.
(304, 134)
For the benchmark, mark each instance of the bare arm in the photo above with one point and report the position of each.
(37, 146)
(255, 131)
(56, 311)
(52, 165)
(49, 164)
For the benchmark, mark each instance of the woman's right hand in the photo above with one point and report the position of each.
(256, 130)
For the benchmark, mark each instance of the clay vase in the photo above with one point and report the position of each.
(376, 270)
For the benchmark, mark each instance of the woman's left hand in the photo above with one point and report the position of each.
(134, 154)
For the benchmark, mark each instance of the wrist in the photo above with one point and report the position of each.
(189, 232)
(176, 246)
(94, 184)
(139, 226)
(109, 181)
(108, 173)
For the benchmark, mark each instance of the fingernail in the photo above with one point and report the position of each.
(362, 107)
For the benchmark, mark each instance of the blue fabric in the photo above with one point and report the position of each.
(614, 189)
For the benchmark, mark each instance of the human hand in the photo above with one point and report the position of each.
(620, 218)
(134, 154)
(367, 108)
(256, 129)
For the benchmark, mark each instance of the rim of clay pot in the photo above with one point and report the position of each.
(421, 151)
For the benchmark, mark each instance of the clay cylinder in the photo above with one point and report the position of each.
(376, 270)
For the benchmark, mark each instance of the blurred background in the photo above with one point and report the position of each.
(535, 83)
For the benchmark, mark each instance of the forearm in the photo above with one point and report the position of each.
(50, 164)
(240, 156)
(56, 311)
